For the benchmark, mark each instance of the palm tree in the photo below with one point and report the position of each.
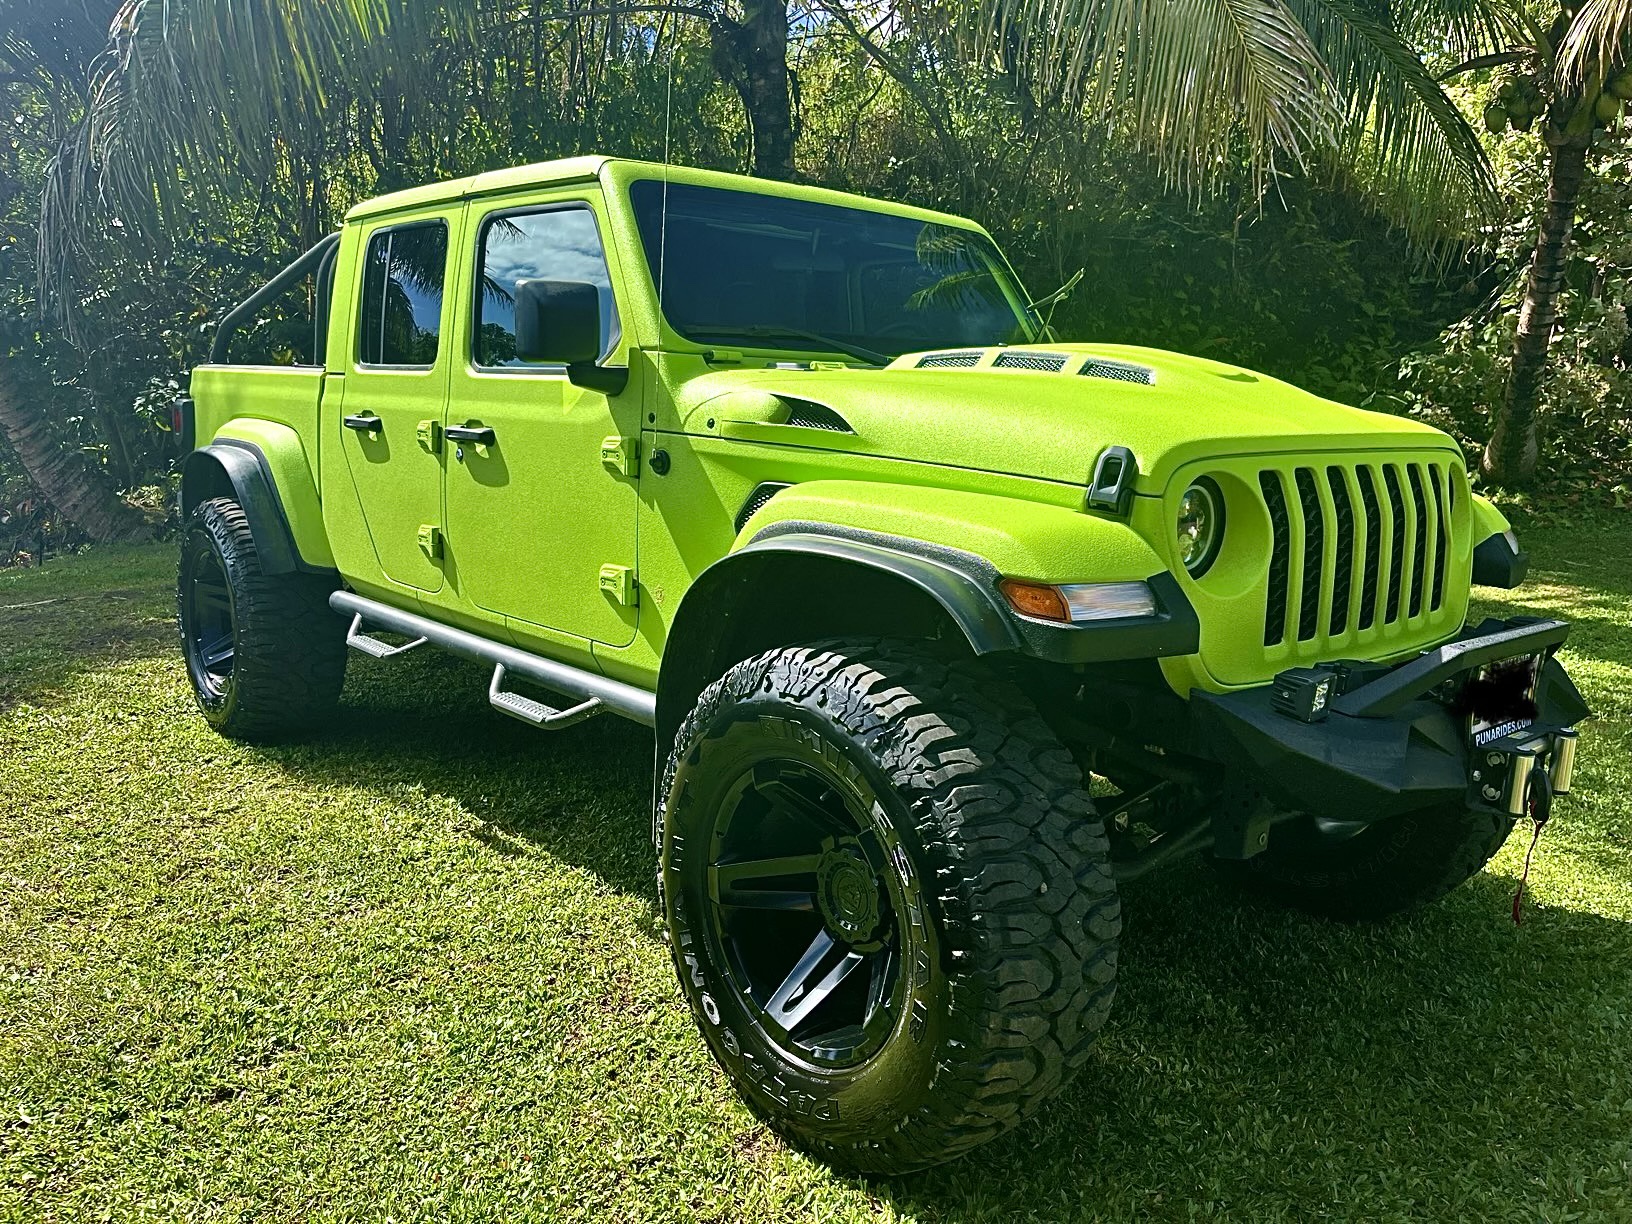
(1576, 74)
(232, 91)
(1340, 88)
(43, 56)
(82, 493)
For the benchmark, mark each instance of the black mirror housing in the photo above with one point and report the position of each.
(558, 322)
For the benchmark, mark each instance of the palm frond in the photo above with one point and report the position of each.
(1187, 79)
(1599, 43)
(1449, 30)
(966, 289)
(1405, 145)
(206, 86)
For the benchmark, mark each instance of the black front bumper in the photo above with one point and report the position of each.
(1392, 740)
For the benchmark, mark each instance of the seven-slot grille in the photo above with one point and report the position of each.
(1355, 546)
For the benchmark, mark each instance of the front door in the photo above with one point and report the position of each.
(541, 522)
(394, 393)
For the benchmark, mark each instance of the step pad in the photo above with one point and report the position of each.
(534, 712)
(373, 647)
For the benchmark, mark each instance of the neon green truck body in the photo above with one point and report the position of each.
(946, 627)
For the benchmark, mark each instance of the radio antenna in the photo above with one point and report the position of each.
(663, 212)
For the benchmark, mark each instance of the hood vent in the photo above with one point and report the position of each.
(808, 414)
(1043, 361)
(942, 361)
(1118, 371)
(1030, 361)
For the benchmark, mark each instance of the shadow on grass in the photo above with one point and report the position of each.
(583, 795)
(1250, 1047)
(1256, 1056)
(48, 639)
(1256, 1063)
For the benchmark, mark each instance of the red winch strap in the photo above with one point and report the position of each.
(1539, 802)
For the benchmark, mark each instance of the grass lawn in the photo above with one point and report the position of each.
(410, 970)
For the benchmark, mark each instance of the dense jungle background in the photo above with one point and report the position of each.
(1283, 186)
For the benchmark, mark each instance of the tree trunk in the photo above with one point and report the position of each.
(1513, 451)
(63, 478)
(753, 56)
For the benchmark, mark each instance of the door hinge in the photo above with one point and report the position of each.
(430, 540)
(622, 455)
(618, 581)
(430, 435)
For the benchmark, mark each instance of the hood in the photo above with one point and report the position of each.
(1042, 411)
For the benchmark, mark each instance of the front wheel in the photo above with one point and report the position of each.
(888, 899)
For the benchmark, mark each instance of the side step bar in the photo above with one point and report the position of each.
(373, 647)
(534, 712)
(614, 696)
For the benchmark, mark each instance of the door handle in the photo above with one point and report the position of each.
(363, 424)
(482, 435)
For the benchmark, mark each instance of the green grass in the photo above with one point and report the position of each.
(410, 970)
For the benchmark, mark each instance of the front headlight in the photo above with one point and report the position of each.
(1200, 526)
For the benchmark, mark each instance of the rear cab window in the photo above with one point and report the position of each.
(404, 277)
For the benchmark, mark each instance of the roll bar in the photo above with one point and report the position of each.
(320, 259)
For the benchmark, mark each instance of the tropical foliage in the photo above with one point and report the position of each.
(1283, 183)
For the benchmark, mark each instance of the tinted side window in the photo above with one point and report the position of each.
(402, 295)
(561, 244)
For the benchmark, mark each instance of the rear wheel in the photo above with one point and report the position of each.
(264, 653)
(888, 899)
(1358, 873)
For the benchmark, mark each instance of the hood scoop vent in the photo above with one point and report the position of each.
(1118, 371)
(808, 414)
(954, 360)
(1021, 359)
(1042, 361)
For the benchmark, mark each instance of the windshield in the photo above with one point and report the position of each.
(763, 272)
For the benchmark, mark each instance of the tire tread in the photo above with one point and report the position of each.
(1029, 910)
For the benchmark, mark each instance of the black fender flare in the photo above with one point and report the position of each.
(230, 467)
(963, 585)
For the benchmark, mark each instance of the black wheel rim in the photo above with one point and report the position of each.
(803, 903)
(208, 625)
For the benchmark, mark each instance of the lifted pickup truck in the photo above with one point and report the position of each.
(944, 627)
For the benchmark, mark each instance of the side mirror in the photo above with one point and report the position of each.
(559, 322)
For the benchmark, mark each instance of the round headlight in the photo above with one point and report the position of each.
(1201, 526)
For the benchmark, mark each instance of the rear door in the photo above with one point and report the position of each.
(541, 519)
(395, 390)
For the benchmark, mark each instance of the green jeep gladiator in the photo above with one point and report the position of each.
(944, 627)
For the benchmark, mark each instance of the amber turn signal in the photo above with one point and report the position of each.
(1036, 599)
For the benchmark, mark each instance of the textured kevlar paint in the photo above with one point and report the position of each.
(275, 410)
(987, 458)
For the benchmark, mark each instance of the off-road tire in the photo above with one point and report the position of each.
(999, 863)
(288, 651)
(1389, 868)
